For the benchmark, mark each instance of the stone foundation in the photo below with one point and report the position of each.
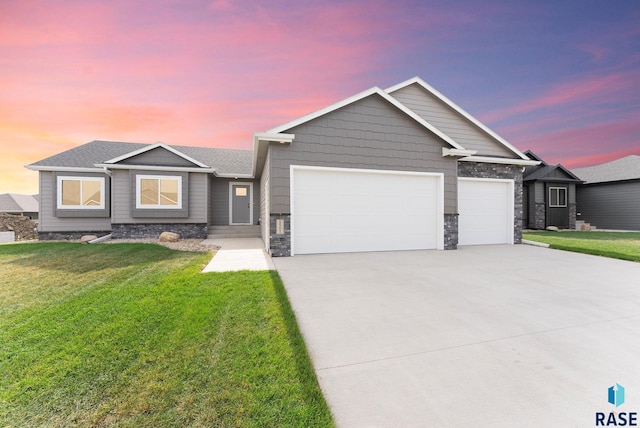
(451, 231)
(572, 216)
(153, 230)
(280, 244)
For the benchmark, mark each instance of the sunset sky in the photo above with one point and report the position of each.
(561, 78)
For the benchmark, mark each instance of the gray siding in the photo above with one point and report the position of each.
(158, 157)
(123, 200)
(437, 113)
(368, 134)
(610, 205)
(219, 202)
(50, 223)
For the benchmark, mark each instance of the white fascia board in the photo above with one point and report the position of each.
(265, 138)
(358, 97)
(155, 146)
(62, 168)
(156, 168)
(458, 109)
(457, 152)
(488, 159)
(230, 175)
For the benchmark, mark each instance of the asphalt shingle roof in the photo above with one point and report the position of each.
(15, 203)
(225, 161)
(626, 168)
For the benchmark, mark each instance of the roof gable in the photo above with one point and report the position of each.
(546, 172)
(443, 113)
(158, 154)
(370, 92)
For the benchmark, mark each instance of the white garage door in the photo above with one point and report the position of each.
(337, 210)
(486, 211)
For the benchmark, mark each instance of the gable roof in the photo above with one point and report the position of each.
(546, 172)
(373, 91)
(153, 147)
(16, 203)
(465, 115)
(626, 168)
(93, 156)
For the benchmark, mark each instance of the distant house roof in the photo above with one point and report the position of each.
(626, 168)
(224, 161)
(15, 203)
(546, 172)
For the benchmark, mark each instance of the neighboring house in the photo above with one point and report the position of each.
(549, 195)
(610, 195)
(25, 205)
(397, 169)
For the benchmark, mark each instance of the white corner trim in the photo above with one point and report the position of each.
(507, 161)
(155, 146)
(458, 109)
(264, 138)
(373, 91)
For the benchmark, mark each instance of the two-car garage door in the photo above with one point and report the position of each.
(350, 210)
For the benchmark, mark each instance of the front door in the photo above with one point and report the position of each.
(557, 206)
(240, 203)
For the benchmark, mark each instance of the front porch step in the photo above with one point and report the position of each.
(220, 232)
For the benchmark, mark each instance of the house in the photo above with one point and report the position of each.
(397, 169)
(549, 195)
(610, 195)
(24, 205)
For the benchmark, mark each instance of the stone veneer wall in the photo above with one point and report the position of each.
(540, 221)
(69, 236)
(451, 231)
(280, 245)
(494, 170)
(153, 230)
(572, 216)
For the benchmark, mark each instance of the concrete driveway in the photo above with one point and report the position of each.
(495, 336)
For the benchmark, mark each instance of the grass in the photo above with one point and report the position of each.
(618, 245)
(133, 335)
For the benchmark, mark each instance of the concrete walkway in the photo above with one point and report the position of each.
(486, 336)
(238, 254)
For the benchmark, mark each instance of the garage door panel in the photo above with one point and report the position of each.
(351, 210)
(486, 212)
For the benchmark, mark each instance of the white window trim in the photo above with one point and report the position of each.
(566, 195)
(59, 204)
(158, 207)
(232, 184)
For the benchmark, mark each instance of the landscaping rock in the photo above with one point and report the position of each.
(169, 237)
(553, 229)
(86, 238)
(24, 228)
(586, 227)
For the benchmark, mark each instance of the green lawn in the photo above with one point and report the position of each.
(619, 245)
(134, 335)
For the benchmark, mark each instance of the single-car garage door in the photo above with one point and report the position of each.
(486, 211)
(351, 210)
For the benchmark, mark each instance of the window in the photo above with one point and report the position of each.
(84, 193)
(557, 196)
(158, 191)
